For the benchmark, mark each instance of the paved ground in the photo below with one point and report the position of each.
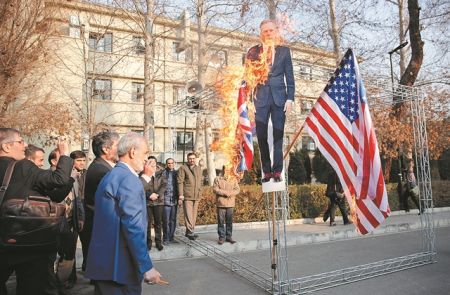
(313, 248)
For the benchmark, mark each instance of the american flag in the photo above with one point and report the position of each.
(342, 129)
(244, 130)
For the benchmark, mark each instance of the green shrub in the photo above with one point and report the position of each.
(305, 201)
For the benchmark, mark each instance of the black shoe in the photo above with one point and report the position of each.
(277, 177)
(266, 178)
(220, 242)
(159, 247)
(332, 223)
(196, 236)
(348, 222)
(69, 284)
(190, 237)
(149, 247)
(230, 240)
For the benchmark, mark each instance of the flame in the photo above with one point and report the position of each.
(228, 144)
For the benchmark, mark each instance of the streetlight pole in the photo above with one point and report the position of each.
(390, 60)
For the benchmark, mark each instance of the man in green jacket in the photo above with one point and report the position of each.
(189, 187)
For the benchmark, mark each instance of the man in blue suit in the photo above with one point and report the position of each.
(274, 98)
(118, 260)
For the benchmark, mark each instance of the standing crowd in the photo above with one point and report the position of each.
(110, 207)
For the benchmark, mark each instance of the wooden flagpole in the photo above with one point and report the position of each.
(297, 134)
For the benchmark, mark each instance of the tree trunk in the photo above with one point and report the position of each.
(334, 32)
(410, 75)
(201, 71)
(271, 8)
(149, 98)
(402, 23)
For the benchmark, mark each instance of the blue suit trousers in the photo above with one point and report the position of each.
(278, 119)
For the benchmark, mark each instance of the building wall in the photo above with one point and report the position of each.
(75, 65)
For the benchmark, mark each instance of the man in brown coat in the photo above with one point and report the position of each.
(189, 187)
(226, 188)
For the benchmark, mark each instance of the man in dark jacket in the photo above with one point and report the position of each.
(154, 185)
(336, 194)
(170, 202)
(104, 146)
(27, 179)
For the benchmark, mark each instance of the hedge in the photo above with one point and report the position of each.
(306, 201)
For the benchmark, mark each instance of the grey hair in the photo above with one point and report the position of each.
(267, 21)
(129, 141)
(7, 134)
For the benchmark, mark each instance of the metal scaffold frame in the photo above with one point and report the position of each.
(277, 211)
(203, 103)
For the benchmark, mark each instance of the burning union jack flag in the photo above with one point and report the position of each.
(244, 131)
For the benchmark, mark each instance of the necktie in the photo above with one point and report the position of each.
(269, 55)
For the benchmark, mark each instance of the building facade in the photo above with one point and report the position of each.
(98, 67)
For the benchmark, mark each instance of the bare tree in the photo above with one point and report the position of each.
(25, 31)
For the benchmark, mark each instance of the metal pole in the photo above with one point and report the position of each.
(392, 71)
(274, 238)
(184, 137)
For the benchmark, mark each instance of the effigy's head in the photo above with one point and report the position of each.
(269, 33)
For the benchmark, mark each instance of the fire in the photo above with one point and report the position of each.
(228, 87)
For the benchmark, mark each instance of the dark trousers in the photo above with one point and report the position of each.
(67, 251)
(155, 217)
(225, 222)
(113, 288)
(170, 222)
(405, 196)
(85, 235)
(340, 202)
(32, 274)
(278, 118)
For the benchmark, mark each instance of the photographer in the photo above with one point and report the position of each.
(30, 264)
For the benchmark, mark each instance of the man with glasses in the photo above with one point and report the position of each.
(30, 264)
(189, 187)
(170, 202)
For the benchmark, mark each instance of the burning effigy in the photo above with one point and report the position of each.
(241, 88)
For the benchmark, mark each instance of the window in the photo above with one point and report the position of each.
(179, 94)
(219, 58)
(138, 91)
(138, 131)
(138, 45)
(223, 56)
(306, 106)
(306, 72)
(74, 26)
(181, 56)
(101, 89)
(308, 143)
(187, 145)
(100, 42)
